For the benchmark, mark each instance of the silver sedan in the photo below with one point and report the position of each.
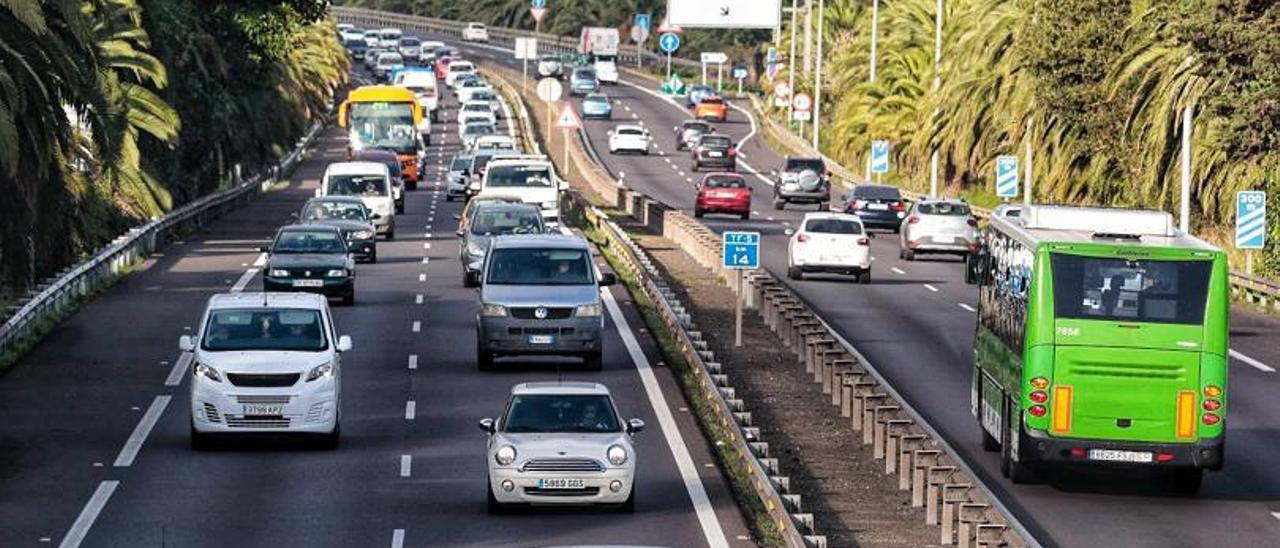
(938, 226)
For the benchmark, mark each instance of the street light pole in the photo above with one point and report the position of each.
(875, 37)
(1184, 209)
(937, 83)
(817, 85)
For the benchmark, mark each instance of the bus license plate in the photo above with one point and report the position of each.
(1111, 455)
(561, 483)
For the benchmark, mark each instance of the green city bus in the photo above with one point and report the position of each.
(1101, 339)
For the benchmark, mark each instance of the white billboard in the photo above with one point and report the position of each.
(738, 14)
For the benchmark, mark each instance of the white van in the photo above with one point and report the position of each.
(369, 181)
(422, 82)
(532, 179)
(390, 38)
(606, 72)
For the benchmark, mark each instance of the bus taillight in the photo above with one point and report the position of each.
(1212, 405)
(1037, 411)
(1212, 391)
(1186, 422)
(1039, 396)
(1040, 383)
(1211, 419)
(1062, 401)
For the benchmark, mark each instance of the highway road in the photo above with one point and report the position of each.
(916, 321)
(94, 422)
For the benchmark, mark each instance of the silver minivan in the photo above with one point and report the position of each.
(540, 295)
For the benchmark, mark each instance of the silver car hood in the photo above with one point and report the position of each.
(263, 361)
(540, 295)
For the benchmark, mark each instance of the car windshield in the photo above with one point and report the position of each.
(357, 185)
(944, 208)
(286, 329)
(479, 129)
(519, 176)
(461, 67)
(832, 226)
(484, 96)
(346, 211)
(536, 266)
(630, 131)
(716, 142)
(1095, 288)
(803, 164)
(496, 223)
(725, 182)
(874, 192)
(584, 74)
(476, 107)
(410, 42)
(460, 163)
(700, 127)
(561, 414)
(388, 59)
(308, 241)
(597, 99)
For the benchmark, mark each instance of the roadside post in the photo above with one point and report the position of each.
(639, 34)
(526, 49)
(567, 121)
(1007, 177)
(741, 253)
(740, 74)
(669, 42)
(549, 90)
(1251, 224)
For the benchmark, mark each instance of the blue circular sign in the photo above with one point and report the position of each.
(539, 3)
(669, 42)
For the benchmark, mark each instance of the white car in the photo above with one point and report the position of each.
(833, 243)
(629, 138)
(475, 32)
(390, 38)
(266, 362)
(473, 129)
(372, 38)
(478, 108)
(428, 49)
(485, 96)
(410, 47)
(561, 443)
(456, 69)
(422, 82)
(495, 142)
(467, 90)
(532, 178)
(369, 181)
(607, 72)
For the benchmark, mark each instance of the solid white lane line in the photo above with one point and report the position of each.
(410, 410)
(707, 518)
(1255, 363)
(897, 270)
(397, 538)
(179, 370)
(248, 274)
(89, 514)
(406, 465)
(141, 431)
(966, 307)
(418, 299)
(931, 288)
(413, 361)
(417, 326)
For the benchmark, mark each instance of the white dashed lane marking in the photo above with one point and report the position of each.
(966, 307)
(931, 288)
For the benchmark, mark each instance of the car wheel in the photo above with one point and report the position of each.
(594, 361)
(400, 208)
(333, 439)
(779, 204)
(908, 254)
(391, 234)
(199, 441)
(412, 186)
(1017, 472)
(697, 167)
(373, 258)
(629, 506)
(448, 197)
(864, 277)
(795, 273)
(484, 359)
(697, 213)
(349, 299)
(469, 279)
(645, 152)
(897, 229)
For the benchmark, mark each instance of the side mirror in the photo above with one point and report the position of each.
(488, 426)
(564, 185)
(789, 231)
(607, 279)
(186, 343)
(635, 426)
(375, 216)
(457, 217)
(295, 216)
(318, 194)
(344, 343)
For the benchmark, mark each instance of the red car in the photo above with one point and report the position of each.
(723, 193)
(442, 65)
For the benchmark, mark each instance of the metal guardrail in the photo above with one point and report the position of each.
(62, 292)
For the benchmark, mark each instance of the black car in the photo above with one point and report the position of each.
(313, 258)
(348, 214)
(357, 48)
(802, 181)
(688, 133)
(879, 206)
(715, 151)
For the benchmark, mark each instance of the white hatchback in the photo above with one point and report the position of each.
(561, 443)
(833, 243)
(456, 69)
(629, 138)
(475, 32)
(266, 362)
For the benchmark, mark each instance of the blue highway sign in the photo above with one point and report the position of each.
(1251, 219)
(669, 42)
(880, 156)
(1007, 176)
(642, 20)
(741, 250)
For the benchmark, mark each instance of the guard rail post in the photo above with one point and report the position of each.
(883, 413)
(921, 461)
(938, 475)
(953, 494)
(970, 515)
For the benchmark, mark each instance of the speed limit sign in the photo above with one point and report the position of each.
(802, 102)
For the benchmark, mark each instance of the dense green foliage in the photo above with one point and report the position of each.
(112, 111)
(1096, 86)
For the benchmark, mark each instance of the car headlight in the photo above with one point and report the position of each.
(322, 370)
(617, 455)
(505, 455)
(493, 310)
(362, 235)
(588, 311)
(475, 249)
(336, 273)
(279, 273)
(550, 205)
(202, 370)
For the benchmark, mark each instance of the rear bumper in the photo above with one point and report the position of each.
(724, 206)
(333, 287)
(728, 162)
(880, 219)
(1036, 446)
(803, 197)
(928, 244)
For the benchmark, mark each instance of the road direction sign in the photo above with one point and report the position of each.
(568, 118)
(741, 250)
(771, 70)
(740, 72)
(673, 85)
(879, 156)
(714, 57)
(669, 42)
(782, 90)
(771, 56)
(1007, 176)
(526, 48)
(639, 34)
(802, 102)
(1251, 219)
(550, 90)
(538, 13)
(801, 115)
(642, 20)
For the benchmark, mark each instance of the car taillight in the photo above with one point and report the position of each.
(732, 152)
(864, 241)
(857, 204)
(973, 222)
(898, 206)
(803, 238)
(913, 219)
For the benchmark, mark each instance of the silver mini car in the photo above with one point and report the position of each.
(938, 226)
(561, 443)
(540, 295)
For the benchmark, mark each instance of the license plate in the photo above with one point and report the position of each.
(878, 207)
(1112, 455)
(561, 483)
(945, 239)
(308, 283)
(715, 154)
(258, 410)
(541, 339)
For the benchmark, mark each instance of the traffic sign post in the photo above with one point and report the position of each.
(879, 158)
(740, 73)
(800, 109)
(568, 120)
(741, 251)
(642, 20)
(526, 49)
(538, 10)
(1251, 223)
(1007, 177)
(669, 42)
(549, 90)
(718, 59)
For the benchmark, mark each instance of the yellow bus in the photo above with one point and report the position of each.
(385, 117)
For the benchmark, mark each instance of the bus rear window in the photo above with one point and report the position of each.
(1091, 288)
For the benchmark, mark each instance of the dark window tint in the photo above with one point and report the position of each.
(556, 413)
(1089, 288)
(716, 142)
(725, 182)
(802, 164)
(357, 185)
(296, 330)
(832, 226)
(348, 211)
(875, 192)
(944, 208)
(533, 266)
(309, 241)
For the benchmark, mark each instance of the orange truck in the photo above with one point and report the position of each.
(387, 118)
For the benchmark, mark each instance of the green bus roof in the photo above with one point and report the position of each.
(1037, 225)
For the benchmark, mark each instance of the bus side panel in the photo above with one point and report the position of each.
(997, 370)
